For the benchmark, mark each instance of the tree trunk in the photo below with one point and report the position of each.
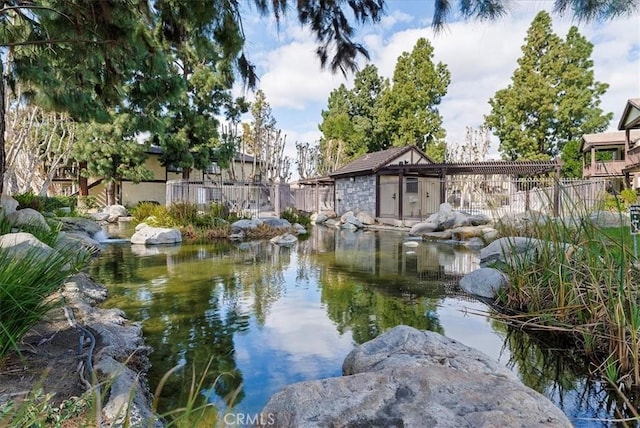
(111, 192)
(83, 181)
(2, 125)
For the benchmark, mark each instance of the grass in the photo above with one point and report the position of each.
(582, 283)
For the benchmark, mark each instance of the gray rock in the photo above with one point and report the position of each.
(28, 217)
(465, 233)
(524, 220)
(277, 222)
(79, 224)
(319, 218)
(285, 240)
(412, 378)
(299, 229)
(100, 216)
(365, 218)
(245, 224)
(484, 282)
(20, 244)
(422, 228)
(156, 235)
(115, 212)
(478, 219)
(78, 241)
(504, 251)
(348, 226)
(349, 220)
(489, 234)
(437, 236)
(8, 205)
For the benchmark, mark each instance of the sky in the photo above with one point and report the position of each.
(480, 56)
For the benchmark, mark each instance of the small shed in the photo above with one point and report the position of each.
(368, 184)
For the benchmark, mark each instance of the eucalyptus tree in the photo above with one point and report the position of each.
(408, 112)
(553, 98)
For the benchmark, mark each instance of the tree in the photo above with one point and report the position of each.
(308, 159)
(409, 109)
(39, 143)
(553, 98)
(351, 115)
(266, 143)
(112, 153)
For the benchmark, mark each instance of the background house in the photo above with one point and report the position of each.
(155, 188)
(615, 155)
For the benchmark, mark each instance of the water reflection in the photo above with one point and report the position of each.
(267, 316)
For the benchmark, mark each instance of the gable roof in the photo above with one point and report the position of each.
(372, 162)
(631, 115)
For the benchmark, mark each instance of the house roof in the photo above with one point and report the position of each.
(631, 115)
(617, 138)
(238, 157)
(372, 162)
(501, 167)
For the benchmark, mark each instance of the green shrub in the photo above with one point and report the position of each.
(184, 213)
(26, 282)
(622, 201)
(45, 203)
(295, 216)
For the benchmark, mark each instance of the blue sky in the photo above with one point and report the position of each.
(480, 56)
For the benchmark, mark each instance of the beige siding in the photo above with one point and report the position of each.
(146, 191)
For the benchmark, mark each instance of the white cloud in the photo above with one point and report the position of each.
(480, 56)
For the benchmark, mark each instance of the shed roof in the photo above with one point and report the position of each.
(372, 162)
(529, 168)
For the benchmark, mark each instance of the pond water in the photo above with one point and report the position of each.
(265, 316)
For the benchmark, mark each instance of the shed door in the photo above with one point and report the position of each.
(388, 196)
(431, 195)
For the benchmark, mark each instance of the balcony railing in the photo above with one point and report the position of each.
(66, 173)
(605, 169)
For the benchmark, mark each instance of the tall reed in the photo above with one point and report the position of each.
(581, 280)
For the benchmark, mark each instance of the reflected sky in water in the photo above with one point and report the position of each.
(267, 316)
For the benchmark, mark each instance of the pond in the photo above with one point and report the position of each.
(264, 316)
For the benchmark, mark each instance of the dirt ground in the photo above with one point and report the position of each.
(48, 359)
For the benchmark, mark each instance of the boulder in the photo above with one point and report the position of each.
(245, 224)
(332, 222)
(412, 378)
(28, 217)
(277, 222)
(489, 234)
(437, 236)
(319, 218)
(77, 241)
(236, 236)
(100, 216)
(79, 224)
(285, 240)
(8, 205)
(410, 244)
(484, 282)
(474, 243)
(365, 218)
(503, 251)
(20, 244)
(349, 220)
(465, 233)
(299, 229)
(115, 212)
(156, 236)
(419, 229)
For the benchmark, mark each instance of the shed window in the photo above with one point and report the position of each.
(213, 168)
(412, 185)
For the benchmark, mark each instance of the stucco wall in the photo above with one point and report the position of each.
(357, 195)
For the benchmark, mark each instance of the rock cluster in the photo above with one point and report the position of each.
(413, 378)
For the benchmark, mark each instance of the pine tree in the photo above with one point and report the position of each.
(553, 98)
(408, 111)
